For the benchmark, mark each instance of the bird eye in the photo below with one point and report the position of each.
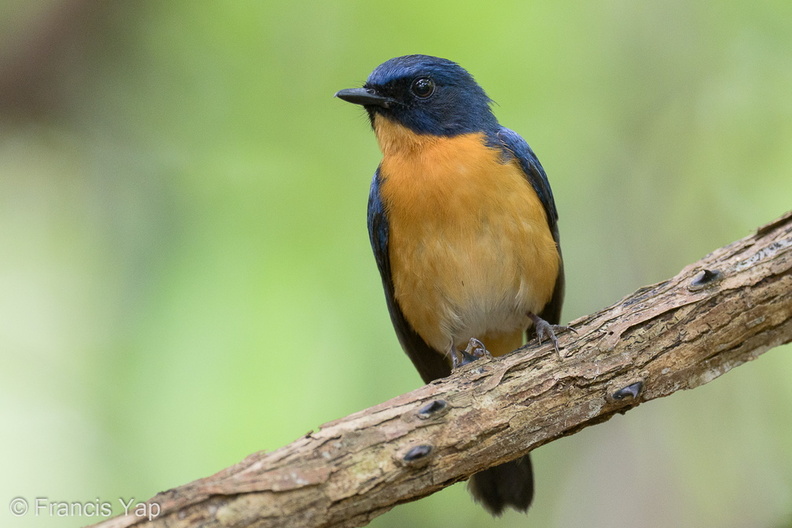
(423, 87)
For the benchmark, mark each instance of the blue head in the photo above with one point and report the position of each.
(428, 95)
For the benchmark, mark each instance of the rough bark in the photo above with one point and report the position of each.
(717, 313)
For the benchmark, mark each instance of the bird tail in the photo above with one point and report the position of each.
(506, 485)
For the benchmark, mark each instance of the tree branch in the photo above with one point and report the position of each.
(717, 313)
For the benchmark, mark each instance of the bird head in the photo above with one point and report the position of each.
(427, 95)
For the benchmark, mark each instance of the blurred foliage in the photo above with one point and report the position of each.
(185, 275)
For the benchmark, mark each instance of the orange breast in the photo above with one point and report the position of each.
(471, 252)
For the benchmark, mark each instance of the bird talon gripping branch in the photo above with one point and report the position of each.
(473, 351)
(545, 330)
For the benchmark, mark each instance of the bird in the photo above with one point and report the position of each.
(464, 230)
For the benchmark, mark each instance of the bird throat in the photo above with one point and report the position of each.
(397, 139)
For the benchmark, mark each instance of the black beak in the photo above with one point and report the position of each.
(365, 97)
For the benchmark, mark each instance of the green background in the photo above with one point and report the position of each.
(185, 275)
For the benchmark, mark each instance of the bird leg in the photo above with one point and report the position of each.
(546, 330)
(475, 350)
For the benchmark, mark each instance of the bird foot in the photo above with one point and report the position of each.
(474, 350)
(545, 330)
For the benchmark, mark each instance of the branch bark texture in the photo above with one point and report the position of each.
(717, 313)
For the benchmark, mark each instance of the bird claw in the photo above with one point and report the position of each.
(545, 330)
(474, 350)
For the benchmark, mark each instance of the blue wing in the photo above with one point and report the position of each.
(378, 227)
(515, 146)
(430, 363)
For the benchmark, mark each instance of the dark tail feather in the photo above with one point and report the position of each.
(510, 484)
